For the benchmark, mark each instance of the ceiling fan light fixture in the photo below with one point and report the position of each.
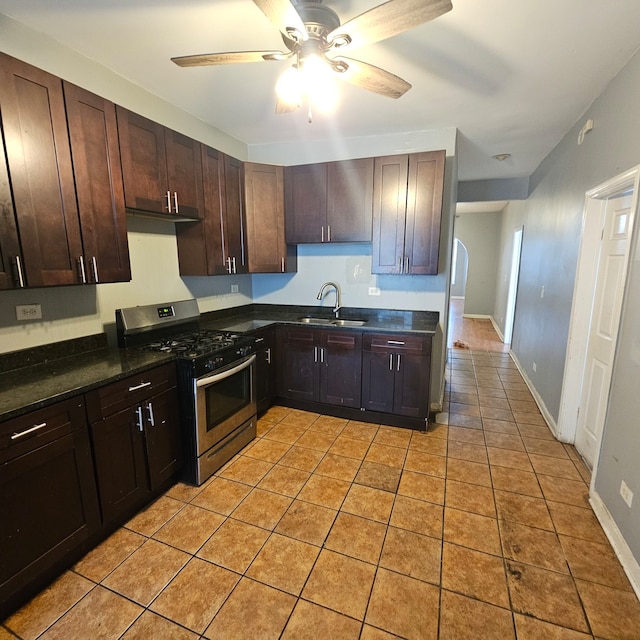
(289, 87)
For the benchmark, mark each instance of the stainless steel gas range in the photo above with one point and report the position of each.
(216, 379)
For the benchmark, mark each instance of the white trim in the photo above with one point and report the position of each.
(548, 418)
(497, 329)
(586, 273)
(620, 547)
(477, 316)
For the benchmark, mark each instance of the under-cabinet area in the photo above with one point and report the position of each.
(73, 164)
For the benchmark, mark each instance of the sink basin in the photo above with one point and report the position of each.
(311, 320)
(348, 323)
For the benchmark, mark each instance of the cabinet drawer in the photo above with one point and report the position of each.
(341, 340)
(396, 342)
(33, 430)
(119, 395)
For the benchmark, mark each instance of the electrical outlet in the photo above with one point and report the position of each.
(626, 493)
(374, 291)
(542, 291)
(234, 288)
(534, 366)
(28, 312)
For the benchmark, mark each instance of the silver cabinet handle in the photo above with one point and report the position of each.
(94, 266)
(234, 264)
(139, 423)
(19, 270)
(400, 342)
(142, 385)
(322, 233)
(268, 354)
(175, 201)
(328, 233)
(83, 273)
(321, 354)
(168, 196)
(152, 421)
(398, 365)
(391, 362)
(21, 434)
(315, 354)
(282, 264)
(406, 265)
(228, 265)
(400, 265)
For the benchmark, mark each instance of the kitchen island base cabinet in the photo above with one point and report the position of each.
(48, 501)
(136, 440)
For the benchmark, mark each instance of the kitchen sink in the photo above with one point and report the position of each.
(337, 323)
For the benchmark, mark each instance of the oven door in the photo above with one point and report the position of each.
(224, 401)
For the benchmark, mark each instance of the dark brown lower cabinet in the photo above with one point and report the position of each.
(138, 448)
(266, 368)
(320, 365)
(395, 374)
(48, 497)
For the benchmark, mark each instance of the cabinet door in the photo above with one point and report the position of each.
(341, 368)
(144, 162)
(378, 381)
(389, 209)
(350, 200)
(121, 468)
(39, 158)
(95, 151)
(162, 437)
(264, 202)
(411, 386)
(233, 215)
(299, 356)
(424, 211)
(184, 173)
(9, 244)
(265, 369)
(48, 496)
(306, 203)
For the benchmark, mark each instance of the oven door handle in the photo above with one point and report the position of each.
(216, 377)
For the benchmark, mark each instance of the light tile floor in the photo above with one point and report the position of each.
(328, 529)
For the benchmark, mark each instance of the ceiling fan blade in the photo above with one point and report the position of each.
(386, 20)
(285, 107)
(284, 16)
(372, 78)
(229, 57)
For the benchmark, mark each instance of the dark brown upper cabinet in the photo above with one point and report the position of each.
(216, 245)
(407, 210)
(36, 140)
(329, 202)
(95, 152)
(162, 168)
(264, 212)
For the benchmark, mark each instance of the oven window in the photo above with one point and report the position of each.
(226, 397)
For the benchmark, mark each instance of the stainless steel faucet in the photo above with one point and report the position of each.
(336, 286)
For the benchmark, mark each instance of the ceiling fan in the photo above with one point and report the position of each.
(311, 31)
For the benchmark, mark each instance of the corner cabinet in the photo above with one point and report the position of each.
(395, 374)
(135, 431)
(162, 168)
(329, 202)
(267, 249)
(407, 209)
(48, 498)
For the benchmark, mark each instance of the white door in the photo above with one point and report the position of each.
(513, 285)
(605, 319)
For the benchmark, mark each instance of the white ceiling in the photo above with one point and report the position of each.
(511, 75)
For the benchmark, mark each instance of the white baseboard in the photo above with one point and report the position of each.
(620, 547)
(548, 418)
(477, 316)
(497, 329)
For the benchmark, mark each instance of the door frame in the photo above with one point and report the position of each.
(584, 293)
(514, 277)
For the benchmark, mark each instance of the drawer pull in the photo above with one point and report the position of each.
(21, 434)
(139, 423)
(152, 420)
(143, 385)
(400, 342)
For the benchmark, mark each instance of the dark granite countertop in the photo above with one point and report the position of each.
(41, 383)
(256, 316)
(33, 378)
